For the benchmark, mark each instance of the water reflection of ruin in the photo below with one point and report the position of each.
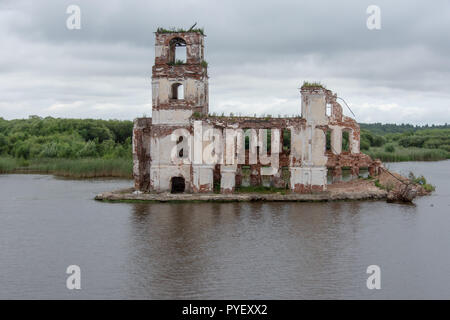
(223, 249)
(305, 147)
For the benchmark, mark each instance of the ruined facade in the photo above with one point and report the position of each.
(184, 149)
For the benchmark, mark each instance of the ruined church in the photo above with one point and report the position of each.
(172, 150)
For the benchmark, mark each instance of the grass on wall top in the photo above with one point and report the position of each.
(180, 30)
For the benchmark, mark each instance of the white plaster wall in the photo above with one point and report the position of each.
(228, 180)
(306, 135)
(203, 175)
(201, 93)
(161, 175)
(154, 150)
(198, 143)
(234, 143)
(295, 176)
(155, 93)
(190, 89)
(316, 176)
(268, 171)
(336, 139)
(162, 94)
(318, 110)
(171, 117)
(154, 178)
(162, 148)
(296, 143)
(319, 176)
(314, 108)
(318, 148)
(213, 145)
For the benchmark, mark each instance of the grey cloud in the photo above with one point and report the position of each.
(259, 52)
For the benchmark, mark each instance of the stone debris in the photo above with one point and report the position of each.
(404, 193)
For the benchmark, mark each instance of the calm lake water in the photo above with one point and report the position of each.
(220, 250)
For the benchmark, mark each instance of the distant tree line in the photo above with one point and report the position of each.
(405, 135)
(37, 138)
(383, 129)
(49, 137)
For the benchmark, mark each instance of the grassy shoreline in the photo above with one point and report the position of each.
(400, 154)
(123, 168)
(70, 168)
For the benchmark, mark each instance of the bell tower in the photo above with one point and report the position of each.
(179, 81)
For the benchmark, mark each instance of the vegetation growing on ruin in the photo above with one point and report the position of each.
(197, 115)
(422, 181)
(180, 30)
(260, 189)
(178, 62)
(388, 187)
(307, 84)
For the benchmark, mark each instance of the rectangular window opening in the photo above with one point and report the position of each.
(345, 141)
(286, 141)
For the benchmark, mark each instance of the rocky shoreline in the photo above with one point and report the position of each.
(388, 186)
(130, 195)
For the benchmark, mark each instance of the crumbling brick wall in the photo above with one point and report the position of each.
(141, 153)
(306, 159)
(287, 158)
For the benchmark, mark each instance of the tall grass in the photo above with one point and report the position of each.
(73, 168)
(408, 154)
(8, 164)
(259, 189)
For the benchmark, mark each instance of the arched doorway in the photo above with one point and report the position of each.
(177, 185)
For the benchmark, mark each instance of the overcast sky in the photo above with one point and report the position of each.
(259, 53)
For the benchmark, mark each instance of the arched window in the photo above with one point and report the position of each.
(177, 52)
(177, 91)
